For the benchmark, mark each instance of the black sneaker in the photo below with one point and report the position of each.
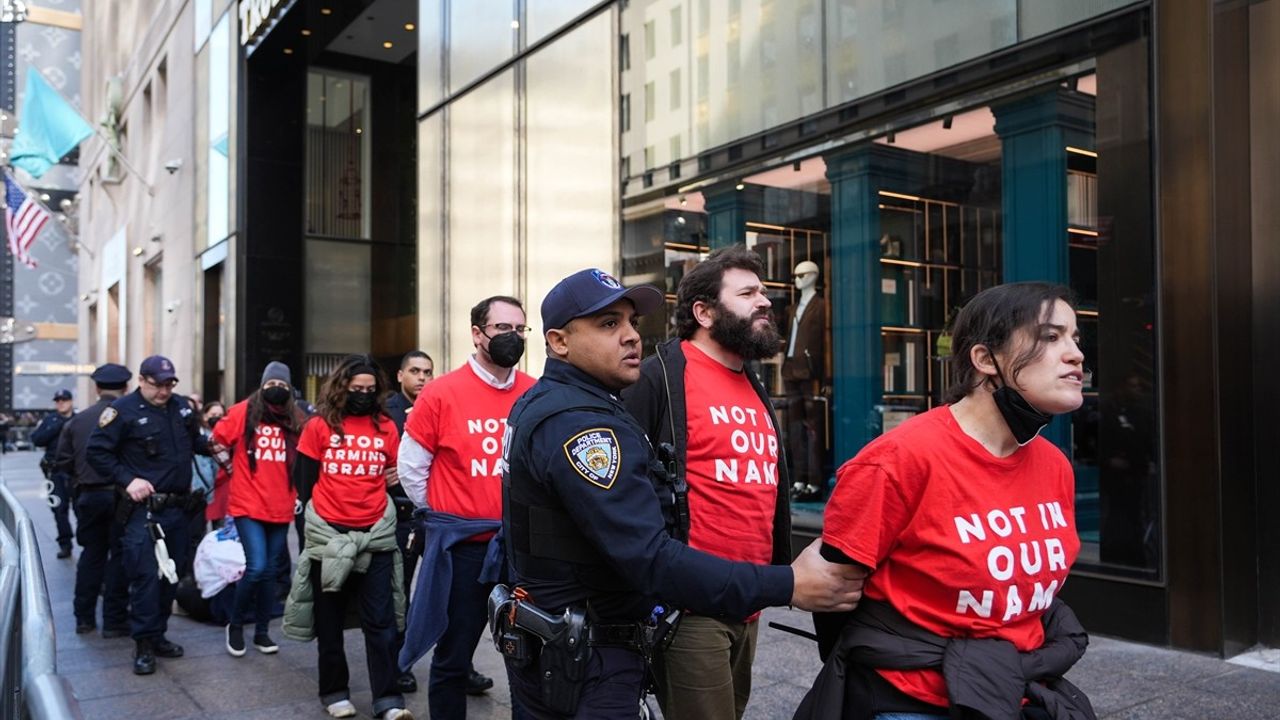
(235, 640)
(264, 643)
(165, 649)
(85, 626)
(477, 683)
(144, 661)
(64, 552)
(407, 683)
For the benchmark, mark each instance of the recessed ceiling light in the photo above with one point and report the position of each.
(359, 131)
(288, 51)
(387, 44)
(739, 186)
(409, 26)
(306, 32)
(326, 11)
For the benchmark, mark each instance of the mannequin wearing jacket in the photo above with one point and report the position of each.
(803, 373)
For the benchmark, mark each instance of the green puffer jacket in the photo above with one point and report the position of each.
(340, 554)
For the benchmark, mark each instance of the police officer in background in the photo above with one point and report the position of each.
(99, 569)
(144, 444)
(46, 436)
(587, 514)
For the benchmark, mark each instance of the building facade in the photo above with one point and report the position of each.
(361, 173)
(917, 152)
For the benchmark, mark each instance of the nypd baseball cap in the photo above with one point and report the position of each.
(62, 395)
(159, 368)
(589, 291)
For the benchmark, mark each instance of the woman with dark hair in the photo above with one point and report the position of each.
(965, 519)
(261, 432)
(346, 460)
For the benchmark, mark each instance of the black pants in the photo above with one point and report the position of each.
(451, 662)
(371, 591)
(100, 569)
(60, 502)
(611, 689)
(150, 597)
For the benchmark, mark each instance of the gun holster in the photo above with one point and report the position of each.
(519, 627)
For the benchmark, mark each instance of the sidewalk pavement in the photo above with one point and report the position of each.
(1124, 680)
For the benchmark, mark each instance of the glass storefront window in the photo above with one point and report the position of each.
(337, 164)
(218, 151)
(1052, 184)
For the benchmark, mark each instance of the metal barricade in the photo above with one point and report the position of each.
(28, 653)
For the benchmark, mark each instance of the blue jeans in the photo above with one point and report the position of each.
(451, 664)
(263, 542)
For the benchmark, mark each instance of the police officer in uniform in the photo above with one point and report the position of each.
(588, 515)
(144, 443)
(99, 569)
(46, 436)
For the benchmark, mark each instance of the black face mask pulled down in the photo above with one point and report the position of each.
(276, 396)
(506, 349)
(1024, 421)
(361, 403)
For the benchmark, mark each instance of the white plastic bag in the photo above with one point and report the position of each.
(219, 562)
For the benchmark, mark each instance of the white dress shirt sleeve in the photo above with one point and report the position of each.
(414, 468)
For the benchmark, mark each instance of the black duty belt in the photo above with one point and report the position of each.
(100, 487)
(629, 635)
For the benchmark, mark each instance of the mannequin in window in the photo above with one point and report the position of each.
(804, 369)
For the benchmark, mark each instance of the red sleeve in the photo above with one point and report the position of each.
(868, 508)
(423, 422)
(313, 439)
(229, 431)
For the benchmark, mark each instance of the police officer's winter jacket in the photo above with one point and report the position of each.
(657, 401)
(583, 519)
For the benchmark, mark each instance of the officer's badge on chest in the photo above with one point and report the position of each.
(595, 455)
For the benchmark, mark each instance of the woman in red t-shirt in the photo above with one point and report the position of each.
(261, 432)
(347, 458)
(963, 515)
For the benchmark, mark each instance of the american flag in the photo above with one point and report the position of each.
(23, 220)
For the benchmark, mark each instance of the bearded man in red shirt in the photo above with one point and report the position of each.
(697, 396)
(450, 462)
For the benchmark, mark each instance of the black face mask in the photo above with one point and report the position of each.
(276, 395)
(506, 349)
(213, 421)
(361, 403)
(1024, 421)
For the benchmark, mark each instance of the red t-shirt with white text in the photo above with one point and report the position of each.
(265, 494)
(731, 461)
(460, 419)
(352, 487)
(961, 542)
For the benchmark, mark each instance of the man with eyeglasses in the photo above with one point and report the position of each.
(144, 444)
(451, 463)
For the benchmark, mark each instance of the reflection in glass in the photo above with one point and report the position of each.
(337, 162)
(481, 37)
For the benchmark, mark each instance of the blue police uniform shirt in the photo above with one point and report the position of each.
(596, 462)
(46, 433)
(135, 439)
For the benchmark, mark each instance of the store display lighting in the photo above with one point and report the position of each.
(740, 186)
(306, 32)
(387, 44)
(409, 27)
(288, 51)
(326, 11)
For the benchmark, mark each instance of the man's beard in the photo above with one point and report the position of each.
(738, 335)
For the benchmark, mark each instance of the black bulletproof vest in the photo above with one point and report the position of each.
(543, 541)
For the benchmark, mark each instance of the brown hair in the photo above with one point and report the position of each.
(704, 282)
(332, 403)
(991, 319)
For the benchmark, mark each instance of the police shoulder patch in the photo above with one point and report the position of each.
(107, 416)
(595, 455)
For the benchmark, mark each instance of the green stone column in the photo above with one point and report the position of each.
(729, 209)
(1034, 134)
(857, 175)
